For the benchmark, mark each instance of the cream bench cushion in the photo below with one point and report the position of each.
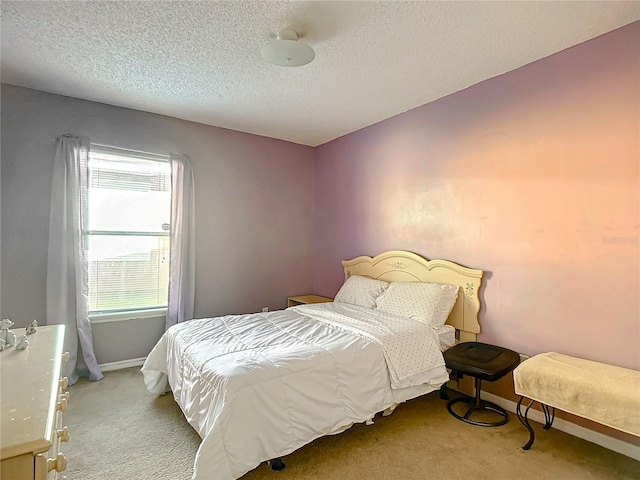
(606, 394)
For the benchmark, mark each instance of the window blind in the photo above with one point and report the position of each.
(128, 222)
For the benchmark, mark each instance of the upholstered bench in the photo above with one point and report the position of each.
(603, 393)
(482, 362)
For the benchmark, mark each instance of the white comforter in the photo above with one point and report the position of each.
(259, 386)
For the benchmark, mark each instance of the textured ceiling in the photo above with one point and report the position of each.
(200, 61)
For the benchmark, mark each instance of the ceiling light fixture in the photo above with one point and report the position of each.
(287, 51)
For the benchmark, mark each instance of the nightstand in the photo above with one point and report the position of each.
(482, 362)
(304, 299)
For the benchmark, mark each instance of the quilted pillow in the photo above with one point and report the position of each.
(430, 303)
(362, 291)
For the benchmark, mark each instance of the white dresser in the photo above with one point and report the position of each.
(32, 402)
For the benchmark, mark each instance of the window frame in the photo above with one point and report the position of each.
(115, 315)
(127, 315)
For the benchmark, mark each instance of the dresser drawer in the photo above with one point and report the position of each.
(55, 460)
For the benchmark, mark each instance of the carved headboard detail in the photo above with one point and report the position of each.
(402, 266)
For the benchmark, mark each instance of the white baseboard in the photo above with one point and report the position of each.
(134, 362)
(625, 448)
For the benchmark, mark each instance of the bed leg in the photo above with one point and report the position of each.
(524, 420)
(444, 395)
(277, 464)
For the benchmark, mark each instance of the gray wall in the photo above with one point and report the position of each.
(254, 209)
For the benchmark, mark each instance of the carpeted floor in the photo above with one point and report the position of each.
(119, 430)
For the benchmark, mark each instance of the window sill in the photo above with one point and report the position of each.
(124, 316)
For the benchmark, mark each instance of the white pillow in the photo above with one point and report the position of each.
(362, 291)
(430, 303)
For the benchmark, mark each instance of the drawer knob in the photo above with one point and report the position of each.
(61, 404)
(63, 434)
(58, 464)
(64, 383)
(65, 356)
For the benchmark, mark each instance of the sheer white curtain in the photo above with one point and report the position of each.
(182, 276)
(67, 272)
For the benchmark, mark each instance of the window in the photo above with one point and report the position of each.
(127, 237)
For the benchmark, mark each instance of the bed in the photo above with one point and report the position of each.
(256, 387)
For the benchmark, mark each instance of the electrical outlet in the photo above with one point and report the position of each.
(523, 357)
(265, 309)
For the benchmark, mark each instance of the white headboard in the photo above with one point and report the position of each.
(401, 266)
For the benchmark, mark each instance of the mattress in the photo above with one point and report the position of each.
(257, 387)
(446, 335)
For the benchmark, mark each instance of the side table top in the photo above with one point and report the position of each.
(310, 299)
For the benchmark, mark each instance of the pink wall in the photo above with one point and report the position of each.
(532, 176)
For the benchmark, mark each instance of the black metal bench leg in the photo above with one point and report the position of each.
(277, 464)
(549, 415)
(525, 421)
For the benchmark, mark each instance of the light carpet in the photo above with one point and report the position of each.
(119, 430)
